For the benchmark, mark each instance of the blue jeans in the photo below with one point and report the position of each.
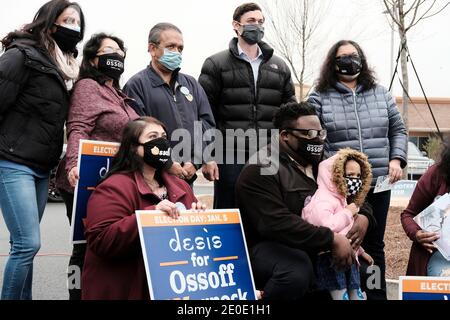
(438, 266)
(23, 196)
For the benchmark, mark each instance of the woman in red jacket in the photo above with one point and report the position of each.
(114, 265)
(424, 259)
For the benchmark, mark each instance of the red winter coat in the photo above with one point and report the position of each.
(114, 266)
(430, 185)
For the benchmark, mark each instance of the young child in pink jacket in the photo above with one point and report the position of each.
(343, 183)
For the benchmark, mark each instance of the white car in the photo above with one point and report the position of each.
(418, 163)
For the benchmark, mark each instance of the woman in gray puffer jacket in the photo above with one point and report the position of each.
(360, 114)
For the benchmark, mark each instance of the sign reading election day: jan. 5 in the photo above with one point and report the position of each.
(94, 162)
(201, 255)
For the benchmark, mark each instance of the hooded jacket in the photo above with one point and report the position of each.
(327, 207)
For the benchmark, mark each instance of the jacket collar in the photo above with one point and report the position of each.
(266, 50)
(172, 184)
(346, 90)
(156, 79)
(37, 58)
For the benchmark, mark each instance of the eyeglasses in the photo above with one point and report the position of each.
(109, 50)
(311, 133)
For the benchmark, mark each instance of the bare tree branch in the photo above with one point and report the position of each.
(293, 26)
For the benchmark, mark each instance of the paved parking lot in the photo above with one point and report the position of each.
(50, 265)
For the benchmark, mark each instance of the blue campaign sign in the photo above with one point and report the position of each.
(200, 256)
(403, 189)
(424, 288)
(94, 162)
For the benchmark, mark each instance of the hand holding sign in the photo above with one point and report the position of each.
(73, 176)
(170, 208)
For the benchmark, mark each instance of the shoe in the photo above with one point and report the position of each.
(345, 296)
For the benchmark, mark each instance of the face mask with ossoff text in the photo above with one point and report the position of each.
(310, 150)
(111, 65)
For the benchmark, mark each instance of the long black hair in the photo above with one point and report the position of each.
(444, 164)
(328, 75)
(38, 32)
(90, 51)
(127, 159)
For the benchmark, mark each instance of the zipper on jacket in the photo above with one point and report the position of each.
(255, 100)
(357, 121)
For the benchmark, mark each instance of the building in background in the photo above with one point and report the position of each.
(421, 124)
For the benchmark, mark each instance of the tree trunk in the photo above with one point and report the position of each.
(404, 65)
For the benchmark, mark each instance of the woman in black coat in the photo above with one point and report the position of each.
(36, 71)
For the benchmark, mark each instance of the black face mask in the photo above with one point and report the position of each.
(252, 33)
(309, 150)
(157, 153)
(66, 38)
(348, 65)
(111, 65)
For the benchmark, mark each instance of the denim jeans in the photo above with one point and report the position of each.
(438, 266)
(23, 196)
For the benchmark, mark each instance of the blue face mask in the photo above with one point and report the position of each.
(171, 59)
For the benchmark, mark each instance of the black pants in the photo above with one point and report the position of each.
(283, 273)
(224, 196)
(374, 245)
(78, 251)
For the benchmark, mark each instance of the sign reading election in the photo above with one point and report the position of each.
(424, 288)
(94, 162)
(200, 256)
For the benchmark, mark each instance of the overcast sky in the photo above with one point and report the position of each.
(206, 26)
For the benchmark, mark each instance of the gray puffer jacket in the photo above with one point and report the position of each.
(368, 121)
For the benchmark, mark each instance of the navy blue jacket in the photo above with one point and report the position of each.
(173, 105)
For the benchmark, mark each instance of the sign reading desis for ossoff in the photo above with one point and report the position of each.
(200, 256)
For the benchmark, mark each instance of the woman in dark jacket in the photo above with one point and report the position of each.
(360, 114)
(114, 266)
(98, 111)
(36, 70)
(424, 259)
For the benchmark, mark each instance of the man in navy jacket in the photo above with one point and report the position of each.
(174, 98)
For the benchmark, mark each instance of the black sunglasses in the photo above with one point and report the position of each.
(311, 133)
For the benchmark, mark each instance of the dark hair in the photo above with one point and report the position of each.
(444, 163)
(288, 113)
(328, 76)
(126, 159)
(90, 51)
(154, 35)
(243, 9)
(38, 32)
